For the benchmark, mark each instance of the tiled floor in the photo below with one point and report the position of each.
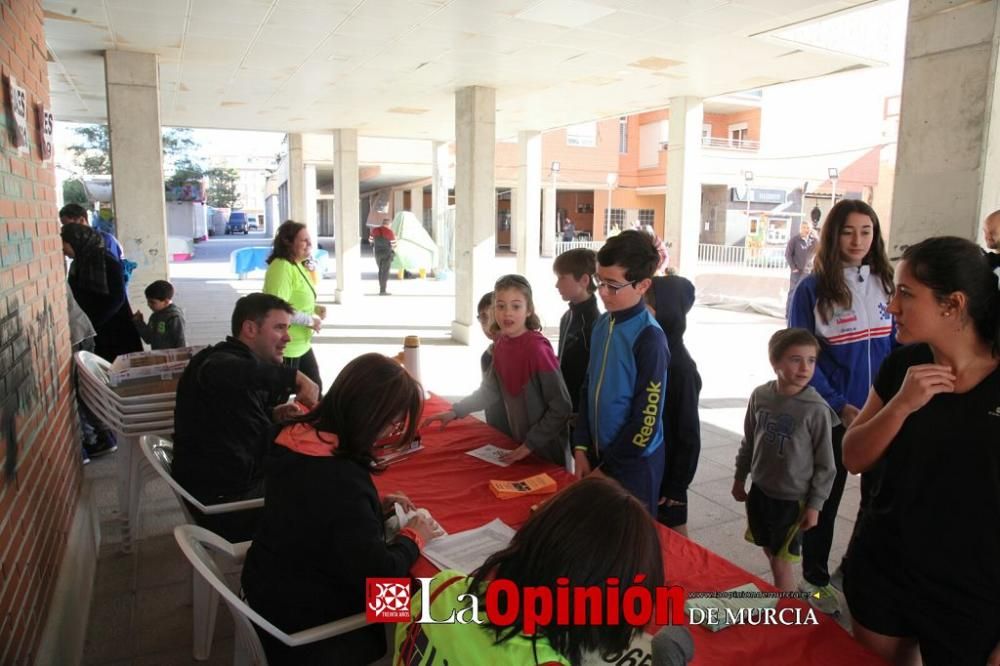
(141, 612)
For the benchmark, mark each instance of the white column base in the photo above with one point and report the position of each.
(462, 333)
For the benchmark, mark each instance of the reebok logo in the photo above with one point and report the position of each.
(651, 414)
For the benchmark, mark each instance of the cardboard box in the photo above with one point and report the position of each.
(149, 372)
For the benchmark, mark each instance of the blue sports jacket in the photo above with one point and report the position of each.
(625, 387)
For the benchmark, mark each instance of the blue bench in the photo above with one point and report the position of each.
(249, 259)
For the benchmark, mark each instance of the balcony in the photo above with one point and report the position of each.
(743, 145)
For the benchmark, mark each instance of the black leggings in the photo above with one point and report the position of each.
(307, 365)
(816, 542)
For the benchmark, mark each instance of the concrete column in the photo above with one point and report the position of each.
(475, 203)
(397, 203)
(347, 201)
(684, 183)
(947, 166)
(417, 203)
(133, 92)
(528, 212)
(549, 220)
(296, 180)
(439, 201)
(309, 190)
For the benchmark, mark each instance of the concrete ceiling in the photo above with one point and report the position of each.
(390, 67)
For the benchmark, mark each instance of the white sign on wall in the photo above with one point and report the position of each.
(45, 131)
(19, 109)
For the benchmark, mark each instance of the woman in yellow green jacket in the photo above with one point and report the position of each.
(291, 277)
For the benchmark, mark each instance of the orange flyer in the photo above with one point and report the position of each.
(540, 484)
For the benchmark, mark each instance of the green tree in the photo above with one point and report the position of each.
(73, 192)
(222, 187)
(92, 152)
(184, 170)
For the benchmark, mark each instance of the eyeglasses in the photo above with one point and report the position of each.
(611, 287)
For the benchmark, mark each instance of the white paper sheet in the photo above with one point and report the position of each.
(491, 454)
(466, 551)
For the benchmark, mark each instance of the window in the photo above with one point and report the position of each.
(706, 134)
(777, 231)
(583, 135)
(614, 217)
(653, 138)
(623, 135)
(738, 134)
(646, 216)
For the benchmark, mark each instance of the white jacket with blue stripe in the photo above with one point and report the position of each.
(853, 343)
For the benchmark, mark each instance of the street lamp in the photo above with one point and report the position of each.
(834, 174)
(611, 179)
(748, 177)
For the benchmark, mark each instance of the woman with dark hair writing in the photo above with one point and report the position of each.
(322, 531)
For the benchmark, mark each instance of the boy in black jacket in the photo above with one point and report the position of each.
(575, 270)
(165, 329)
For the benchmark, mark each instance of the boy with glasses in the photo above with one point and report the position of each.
(619, 430)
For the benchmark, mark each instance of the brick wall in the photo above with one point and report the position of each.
(39, 450)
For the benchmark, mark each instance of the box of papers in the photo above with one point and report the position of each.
(540, 484)
(149, 372)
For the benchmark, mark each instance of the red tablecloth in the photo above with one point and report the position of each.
(454, 488)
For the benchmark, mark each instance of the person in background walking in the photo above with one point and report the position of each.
(384, 248)
(799, 254)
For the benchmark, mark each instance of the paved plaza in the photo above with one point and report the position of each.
(141, 612)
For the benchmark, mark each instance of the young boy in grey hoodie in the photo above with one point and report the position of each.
(787, 452)
(165, 329)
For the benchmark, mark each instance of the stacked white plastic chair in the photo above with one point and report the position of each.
(195, 543)
(129, 419)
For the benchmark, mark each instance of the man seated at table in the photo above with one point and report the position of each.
(228, 398)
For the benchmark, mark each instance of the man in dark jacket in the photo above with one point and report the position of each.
(799, 253)
(228, 398)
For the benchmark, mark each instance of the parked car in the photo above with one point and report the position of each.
(237, 223)
(252, 222)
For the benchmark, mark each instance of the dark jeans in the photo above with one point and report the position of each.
(384, 262)
(307, 365)
(816, 542)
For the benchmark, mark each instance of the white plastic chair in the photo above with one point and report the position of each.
(128, 418)
(194, 543)
(159, 453)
